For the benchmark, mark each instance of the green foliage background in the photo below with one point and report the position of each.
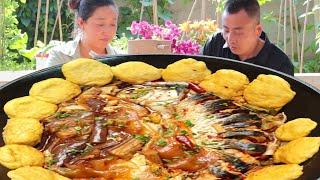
(130, 11)
(19, 23)
(13, 39)
(27, 13)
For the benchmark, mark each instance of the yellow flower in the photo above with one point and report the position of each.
(201, 37)
(195, 25)
(199, 30)
(206, 28)
(213, 26)
(185, 27)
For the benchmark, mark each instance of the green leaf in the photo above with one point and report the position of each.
(29, 54)
(269, 17)
(164, 14)
(146, 3)
(262, 2)
(20, 42)
(125, 11)
(25, 21)
(309, 27)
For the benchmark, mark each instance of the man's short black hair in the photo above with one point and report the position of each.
(251, 7)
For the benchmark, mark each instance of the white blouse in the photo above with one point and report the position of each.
(68, 51)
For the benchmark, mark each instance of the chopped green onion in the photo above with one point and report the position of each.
(99, 118)
(143, 138)
(161, 143)
(188, 123)
(183, 132)
(61, 115)
(77, 128)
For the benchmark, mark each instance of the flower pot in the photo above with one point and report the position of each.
(149, 46)
(41, 60)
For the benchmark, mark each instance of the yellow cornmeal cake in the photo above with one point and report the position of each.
(29, 107)
(187, 70)
(54, 90)
(136, 72)
(14, 156)
(225, 83)
(269, 92)
(295, 129)
(289, 171)
(297, 151)
(34, 173)
(25, 131)
(87, 72)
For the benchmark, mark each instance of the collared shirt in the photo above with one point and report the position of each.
(68, 51)
(269, 56)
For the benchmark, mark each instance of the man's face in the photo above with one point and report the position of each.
(240, 32)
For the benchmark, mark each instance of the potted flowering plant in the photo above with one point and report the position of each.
(199, 31)
(152, 38)
(185, 38)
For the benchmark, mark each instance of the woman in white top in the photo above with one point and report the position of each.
(96, 22)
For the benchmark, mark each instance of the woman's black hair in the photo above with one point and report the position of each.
(85, 8)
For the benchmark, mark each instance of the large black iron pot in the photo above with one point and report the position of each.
(306, 103)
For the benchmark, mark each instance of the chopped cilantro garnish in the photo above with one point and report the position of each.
(51, 162)
(84, 151)
(109, 122)
(183, 132)
(190, 152)
(74, 151)
(61, 115)
(77, 128)
(167, 160)
(156, 171)
(87, 149)
(63, 126)
(188, 123)
(143, 138)
(139, 93)
(161, 143)
(168, 132)
(251, 148)
(99, 118)
(176, 115)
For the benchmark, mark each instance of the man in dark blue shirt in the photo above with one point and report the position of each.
(242, 38)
